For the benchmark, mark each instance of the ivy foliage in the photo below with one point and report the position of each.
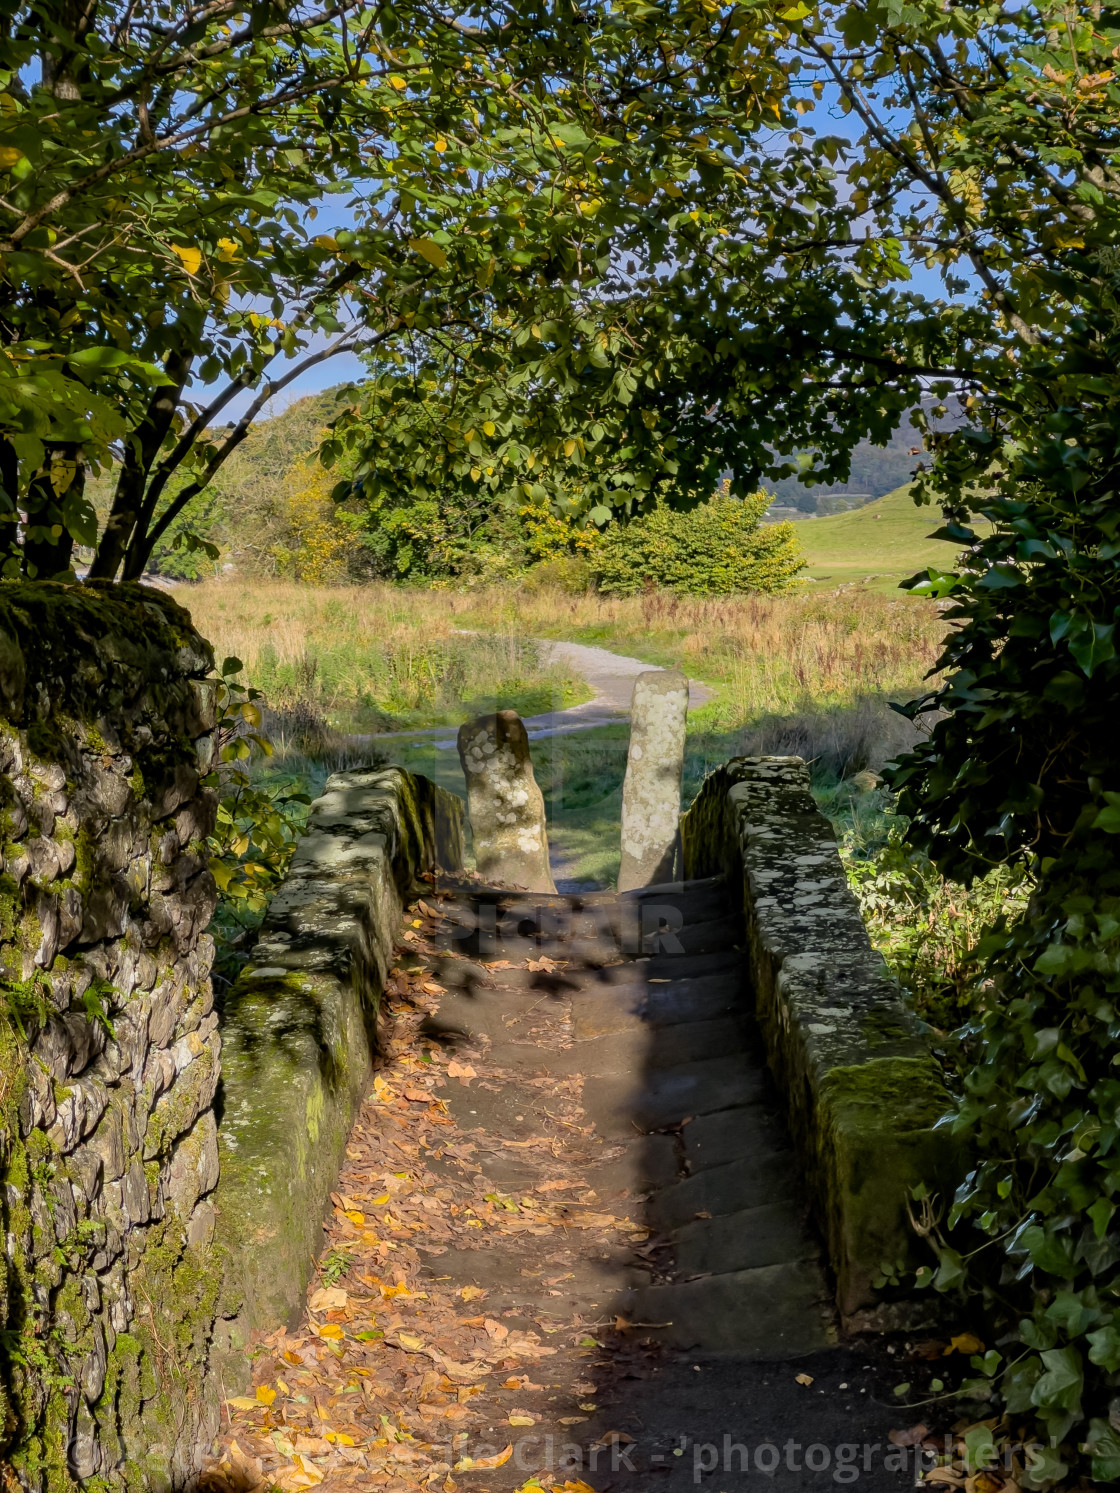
(257, 825)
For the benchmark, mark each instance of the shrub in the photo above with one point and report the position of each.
(717, 549)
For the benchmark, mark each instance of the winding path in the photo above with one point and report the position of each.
(610, 675)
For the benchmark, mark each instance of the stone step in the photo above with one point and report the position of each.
(749, 1182)
(498, 1271)
(692, 964)
(628, 1049)
(600, 1008)
(623, 1105)
(745, 1240)
(715, 1140)
(773, 1312)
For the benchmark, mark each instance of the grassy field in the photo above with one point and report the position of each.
(365, 659)
(877, 545)
(387, 658)
(810, 674)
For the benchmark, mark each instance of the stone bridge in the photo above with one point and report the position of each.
(680, 1120)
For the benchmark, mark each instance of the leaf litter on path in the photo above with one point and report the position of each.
(393, 1379)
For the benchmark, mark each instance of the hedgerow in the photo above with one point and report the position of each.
(719, 548)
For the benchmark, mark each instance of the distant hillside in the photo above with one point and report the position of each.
(876, 470)
(881, 543)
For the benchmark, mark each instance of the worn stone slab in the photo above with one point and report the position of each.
(771, 1234)
(504, 803)
(862, 1089)
(714, 1140)
(754, 1178)
(771, 1312)
(651, 790)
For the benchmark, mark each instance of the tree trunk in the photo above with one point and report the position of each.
(48, 544)
(141, 450)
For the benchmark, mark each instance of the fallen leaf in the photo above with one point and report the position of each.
(572, 1420)
(340, 1438)
(355, 1217)
(265, 1394)
(495, 1331)
(912, 1437)
(331, 1330)
(805, 1379)
(328, 1299)
(966, 1343)
(543, 963)
(418, 1096)
(312, 1446)
(413, 1344)
(471, 1464)
(471, 1293)
(576, 1486)
(462, 1071)
(944, 1475)
(244, 1402)
(522, 1420)
(378, 1201)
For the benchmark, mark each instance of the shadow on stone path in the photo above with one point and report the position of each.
(568, 1247)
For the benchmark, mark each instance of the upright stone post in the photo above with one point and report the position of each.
(504, 803)
(651, 791)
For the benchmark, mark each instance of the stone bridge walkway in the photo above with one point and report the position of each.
(568, 1248)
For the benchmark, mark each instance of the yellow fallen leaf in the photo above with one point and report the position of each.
(355, 1217)
(189, 257)
(328, 1299)
(499, 1459)
(265, 1394)
(967, 1343)
(384, 1198)
(576, 1486)
(522, 1420)
(331, 1330)
(472, 1293)
(572, 1420)
(340, 1438)
(407, 1340)
(805, 1379)
(244, 1402)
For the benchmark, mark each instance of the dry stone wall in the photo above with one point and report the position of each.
(109, 1049)
(299, 1033)
(863, 1091)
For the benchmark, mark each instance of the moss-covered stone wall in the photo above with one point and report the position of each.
(862, 1089)
(299, 1031)
(109, 1049)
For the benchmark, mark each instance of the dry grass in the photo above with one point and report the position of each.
(397, 651)
(370, 657)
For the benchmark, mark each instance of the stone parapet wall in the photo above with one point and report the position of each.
(109, 1049)
(299, 1031)
(862, 1088)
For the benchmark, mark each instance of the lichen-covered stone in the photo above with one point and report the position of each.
(504, 803)
(651, 790)
(299, 1029)
(107, 1054)
(862, 1089)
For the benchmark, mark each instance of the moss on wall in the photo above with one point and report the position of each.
(103, 974)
